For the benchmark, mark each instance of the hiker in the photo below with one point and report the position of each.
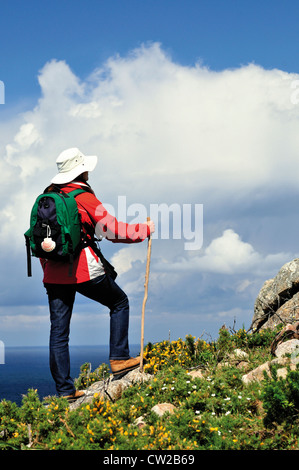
(88, 275)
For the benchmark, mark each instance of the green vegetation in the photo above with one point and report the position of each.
(216, 411)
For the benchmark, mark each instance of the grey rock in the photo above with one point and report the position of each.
(291, 348)
(278, 299)
(110, 389)
(238, 355)
(258, 373)
(161, 408)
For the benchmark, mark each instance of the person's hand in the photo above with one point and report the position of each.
(151, 225)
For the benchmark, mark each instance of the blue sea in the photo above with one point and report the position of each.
(28, 367)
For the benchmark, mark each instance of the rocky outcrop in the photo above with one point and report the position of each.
(287, 333)
(278, 299)
(278, 303)
(111, 389)
(287, 357)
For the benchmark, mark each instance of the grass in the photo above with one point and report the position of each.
(216, 411)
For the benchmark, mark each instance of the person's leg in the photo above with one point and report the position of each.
(61, 300)
(104, 290)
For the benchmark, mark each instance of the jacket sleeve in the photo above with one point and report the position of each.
(107, 226)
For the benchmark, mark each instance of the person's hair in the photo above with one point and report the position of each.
(56, 188)
(80, 178)
(53, 188)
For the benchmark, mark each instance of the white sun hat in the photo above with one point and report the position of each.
(71, 163)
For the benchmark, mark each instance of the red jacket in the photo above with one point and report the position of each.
(93, 215)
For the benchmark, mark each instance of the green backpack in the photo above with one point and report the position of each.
(55, 228)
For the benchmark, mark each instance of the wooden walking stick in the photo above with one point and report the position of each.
(149, 248)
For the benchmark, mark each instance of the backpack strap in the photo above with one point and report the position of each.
(29, 269)
(74, 193)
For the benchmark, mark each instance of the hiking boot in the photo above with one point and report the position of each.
(74, 396)
(121, 367)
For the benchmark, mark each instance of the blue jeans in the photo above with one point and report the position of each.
(61, 300)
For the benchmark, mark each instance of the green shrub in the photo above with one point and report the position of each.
(214, 412)
(87, 377)
(281, 400)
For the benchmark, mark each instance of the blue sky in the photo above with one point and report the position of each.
(186, 102)
(222, 34)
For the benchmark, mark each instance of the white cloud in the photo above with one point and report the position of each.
(181, 128)
(228, 254)
(124, 258)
